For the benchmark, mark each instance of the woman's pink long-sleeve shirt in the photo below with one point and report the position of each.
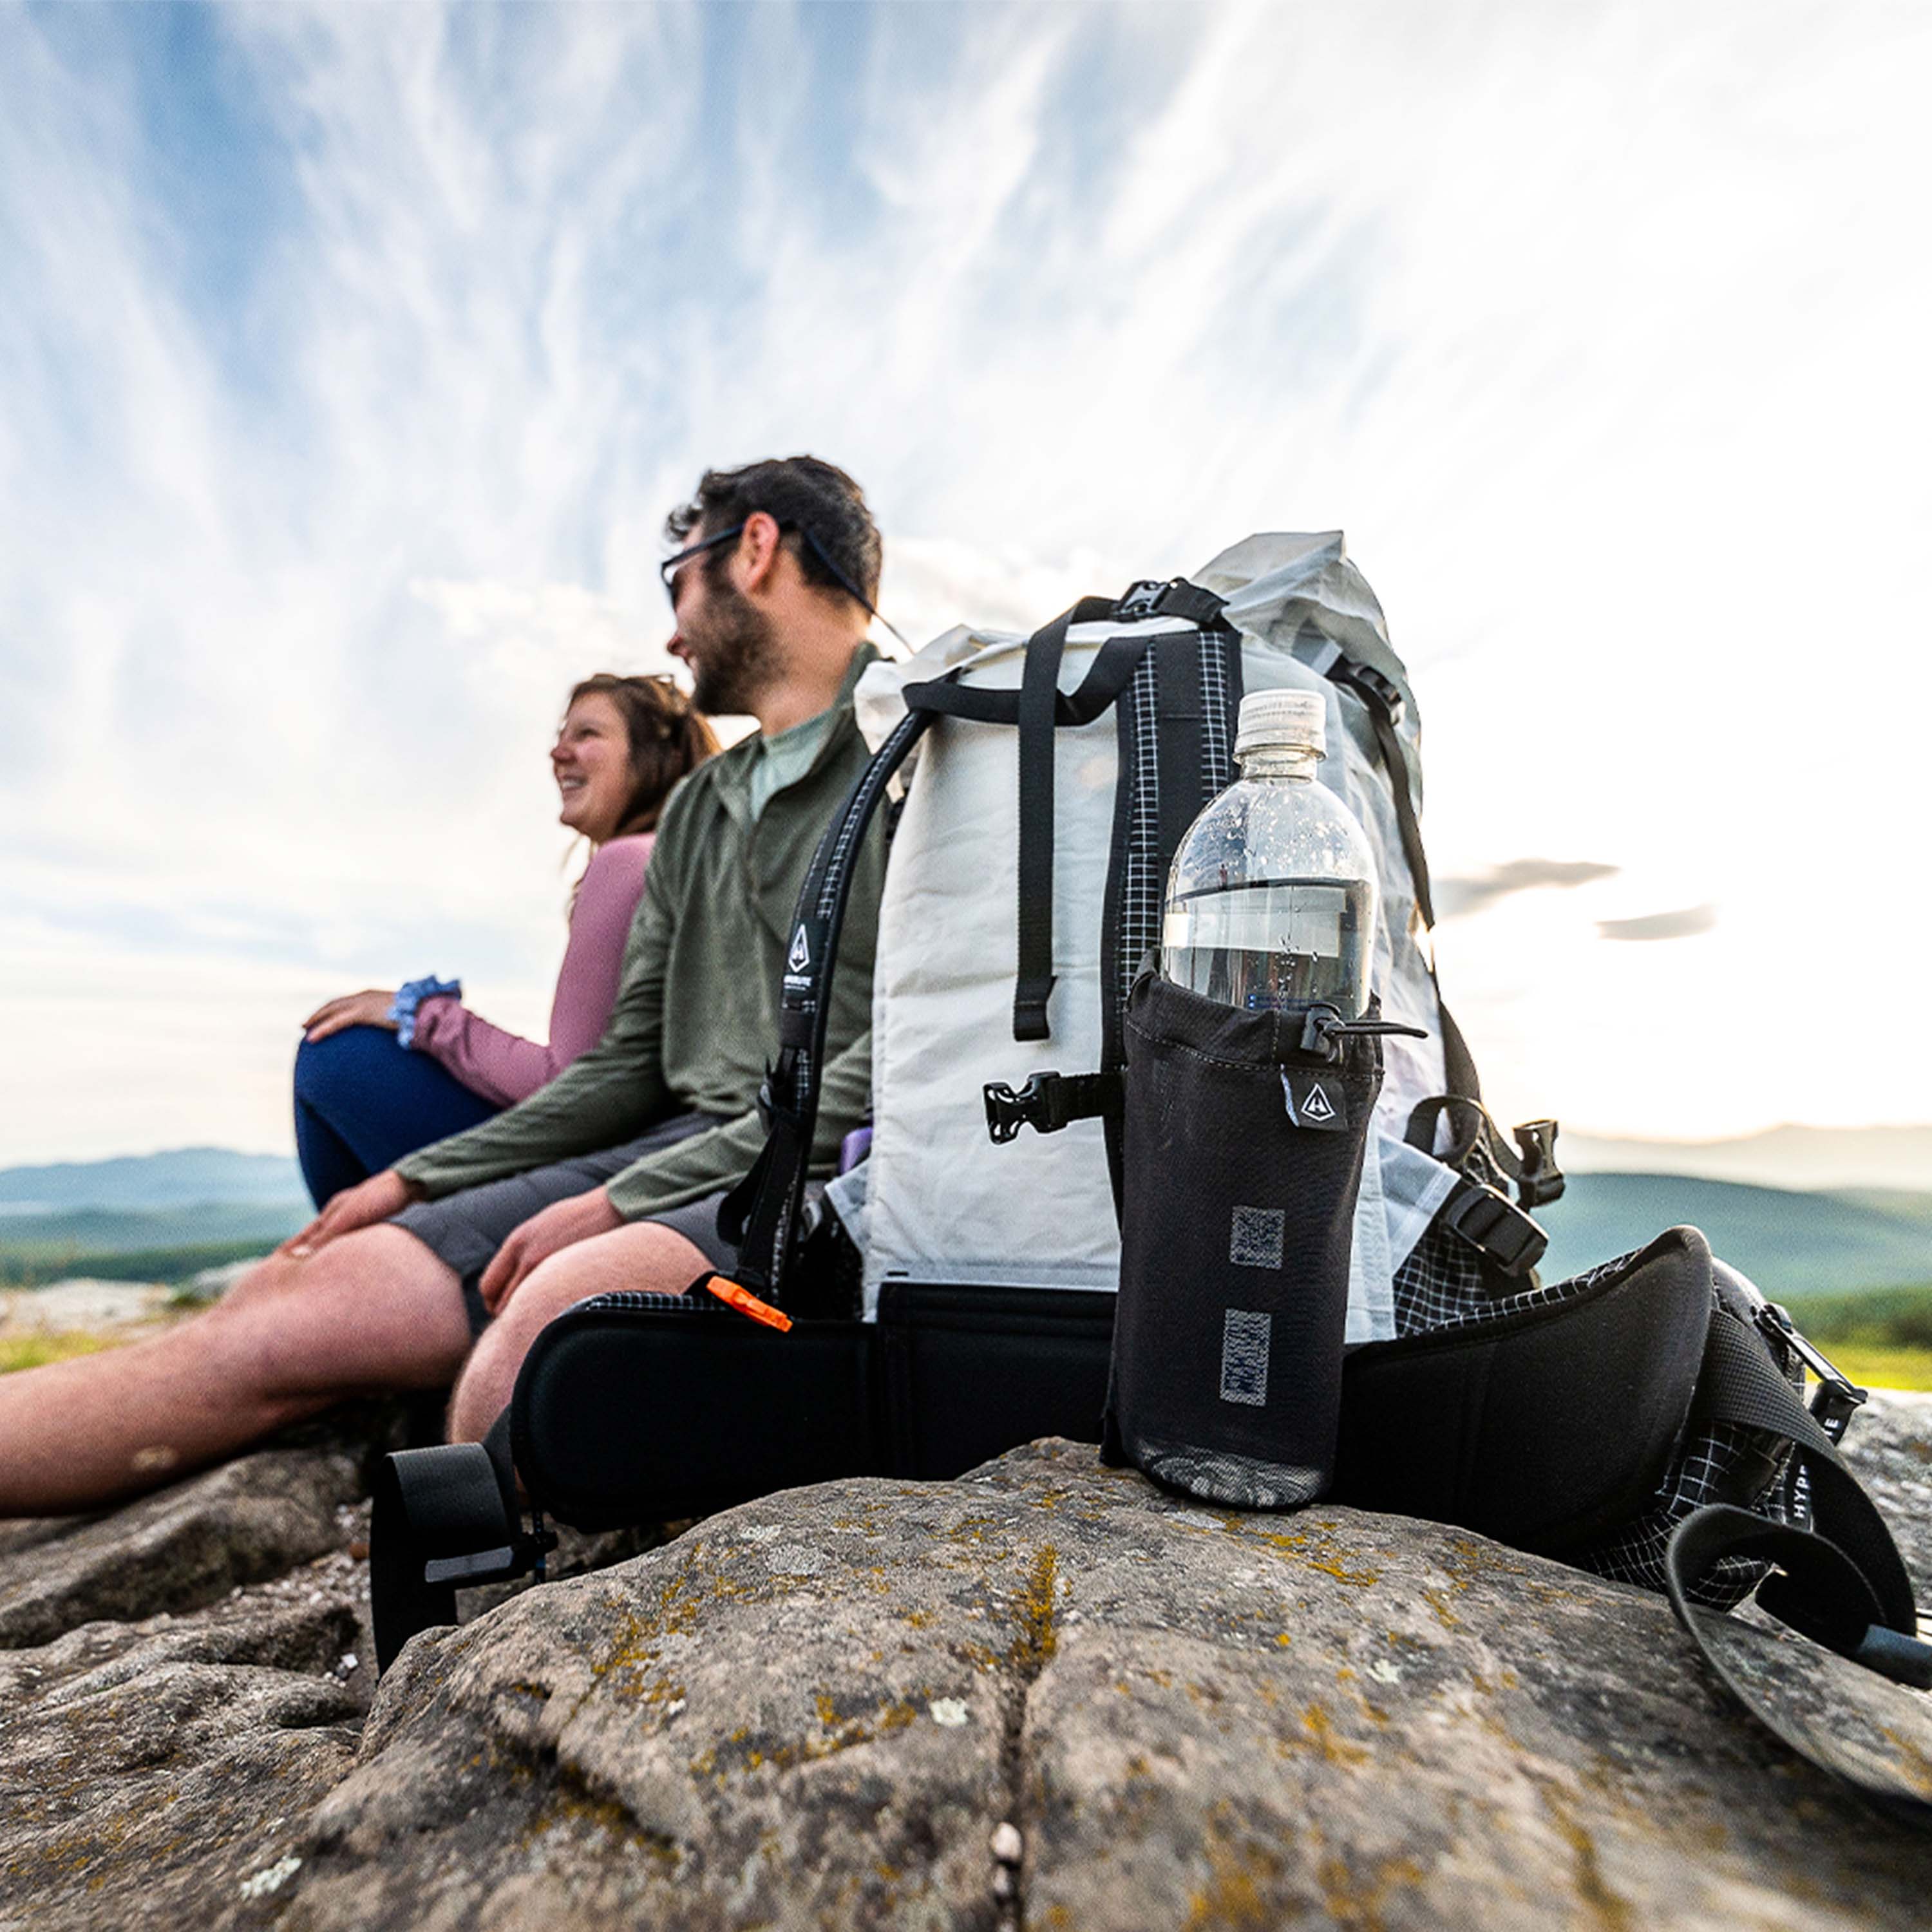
(506, 1068)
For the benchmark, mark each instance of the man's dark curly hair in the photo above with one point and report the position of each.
(817, 497)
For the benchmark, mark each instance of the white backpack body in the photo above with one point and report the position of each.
(942, 1204)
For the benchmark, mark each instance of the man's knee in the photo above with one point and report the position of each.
(373, 1309)
(643, 1256)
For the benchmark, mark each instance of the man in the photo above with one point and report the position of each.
(447, 1265)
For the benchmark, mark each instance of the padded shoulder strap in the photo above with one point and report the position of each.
(760, 1214)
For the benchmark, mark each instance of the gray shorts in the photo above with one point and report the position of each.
(465, 1230)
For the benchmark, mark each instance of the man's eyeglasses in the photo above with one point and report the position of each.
(668, 569)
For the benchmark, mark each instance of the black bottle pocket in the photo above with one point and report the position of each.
(1241, 1160)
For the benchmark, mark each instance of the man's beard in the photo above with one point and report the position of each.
(733, 654)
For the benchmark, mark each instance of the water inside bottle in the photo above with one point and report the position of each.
(1273, 944)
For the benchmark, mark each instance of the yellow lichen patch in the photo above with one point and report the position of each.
(1359, 1902)
(1327, 1742)
(1036, 1638)
(1359, 1579)
(1607, 1908)
(573, 1802)
(1437, 1600)
(1234, 1896)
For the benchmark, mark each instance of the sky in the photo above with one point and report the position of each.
(350, 357)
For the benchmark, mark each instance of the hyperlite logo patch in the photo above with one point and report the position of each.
(799, 957)
(1245, 1334)
(1313, 1100)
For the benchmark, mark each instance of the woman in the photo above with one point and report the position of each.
(381, 1073)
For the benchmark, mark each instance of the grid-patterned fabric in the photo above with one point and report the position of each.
(1143, 883)
(1441, 1286)
(1217, 752)
(1140, 883)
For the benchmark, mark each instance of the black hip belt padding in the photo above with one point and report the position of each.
(637, 1408)
(1242, 1154)
(1541, 1426)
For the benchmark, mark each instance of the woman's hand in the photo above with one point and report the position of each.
(561, 1225)
(361, 1206)
(371, 1008)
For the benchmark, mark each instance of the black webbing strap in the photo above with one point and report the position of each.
(1039, 688)
(760, 1214)
(1180, 760)
(1459, 1063)
(1106, 677)
(1530, 1164)
(1038, 707)
(1382, 700)
(1739, 1384)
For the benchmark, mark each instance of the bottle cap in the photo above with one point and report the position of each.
(1298, 718)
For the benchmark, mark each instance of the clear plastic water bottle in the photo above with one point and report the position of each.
(1272, 900)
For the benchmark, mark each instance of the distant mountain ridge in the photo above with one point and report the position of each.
(182, 1177)
(1789, 1241)
(1811, 1238)
(1815, 1158)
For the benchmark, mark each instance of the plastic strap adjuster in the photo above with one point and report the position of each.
(1493, 1226)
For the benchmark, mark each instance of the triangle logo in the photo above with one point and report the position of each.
(799, 957)
(1316, 1105)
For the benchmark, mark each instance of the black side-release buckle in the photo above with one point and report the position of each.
(1837, 1398)
(1493, 1226)
(1049, 1102)
(1541, 1180)
(1142, 598)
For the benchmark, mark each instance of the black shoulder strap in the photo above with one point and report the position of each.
(761, 1212)
(1842, 1584)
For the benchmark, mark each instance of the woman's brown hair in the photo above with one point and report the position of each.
(667, 738)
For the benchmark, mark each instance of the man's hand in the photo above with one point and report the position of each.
(365, 1009)
(560, 1225)
(361, 1206)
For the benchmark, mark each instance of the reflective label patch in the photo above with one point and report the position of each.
(1244, 1356)
(1314, 1099)
(1254, 1240)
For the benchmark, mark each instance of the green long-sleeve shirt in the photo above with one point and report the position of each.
(696, 1017)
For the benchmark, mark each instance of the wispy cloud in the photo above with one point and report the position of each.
(351, 357)
(1459, 897)
(1686, 924)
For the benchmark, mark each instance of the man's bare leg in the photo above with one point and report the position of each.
(644, 1256)
(373, 1311)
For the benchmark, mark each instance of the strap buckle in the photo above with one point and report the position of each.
(1837, 1398)
(1041, 1104)
(1049, 1102)
(1494, 1227)
(1541, 1180)
(1142, 598)
(1376, 686)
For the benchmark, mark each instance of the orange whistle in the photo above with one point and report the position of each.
(746, 1302)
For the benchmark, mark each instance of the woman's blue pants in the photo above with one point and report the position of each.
(362, 1103)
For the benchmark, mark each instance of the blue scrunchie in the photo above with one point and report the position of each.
(408, 998)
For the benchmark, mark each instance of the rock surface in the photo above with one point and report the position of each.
(1045, 1695)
